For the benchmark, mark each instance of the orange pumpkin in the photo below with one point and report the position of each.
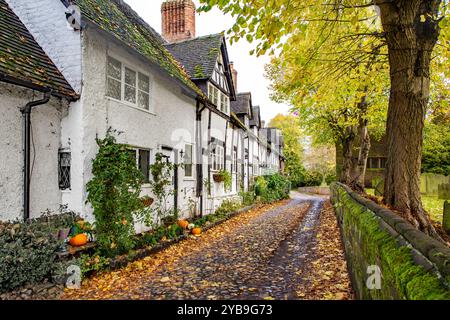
(196, 231)
(183, 224)
(79, 240)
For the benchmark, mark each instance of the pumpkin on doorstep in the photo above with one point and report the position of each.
(183, 224)
(196, 231)
(79, 240)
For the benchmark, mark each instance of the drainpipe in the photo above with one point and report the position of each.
(26, 111)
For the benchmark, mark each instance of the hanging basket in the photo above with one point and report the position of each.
(147, 201)
(218, 177)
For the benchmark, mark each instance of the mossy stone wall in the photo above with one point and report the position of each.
(413, 266)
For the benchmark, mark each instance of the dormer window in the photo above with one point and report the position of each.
(218, 98)
(213, 94)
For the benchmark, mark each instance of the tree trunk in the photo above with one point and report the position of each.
(358, 180)
(411, 33)
(347, 164)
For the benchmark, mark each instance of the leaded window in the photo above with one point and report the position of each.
(64, 163)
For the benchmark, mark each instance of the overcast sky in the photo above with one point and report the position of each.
(251, 69)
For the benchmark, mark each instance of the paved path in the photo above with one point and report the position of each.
(261, 254)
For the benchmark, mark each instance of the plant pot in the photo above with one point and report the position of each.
(218, 177)
(147, 202)
(63, 233)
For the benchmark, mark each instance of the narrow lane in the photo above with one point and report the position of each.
(261, 254)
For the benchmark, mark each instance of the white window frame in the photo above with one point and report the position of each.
(218, 98)
(190, 145)
(123, 67)
(217, 157)
(150, 157)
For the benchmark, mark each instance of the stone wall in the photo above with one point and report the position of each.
(411, 264)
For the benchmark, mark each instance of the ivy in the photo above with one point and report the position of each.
(114, 193)
(162, 189)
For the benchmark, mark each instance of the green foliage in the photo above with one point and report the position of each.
(274, 187)
(90, 264)
(313, 179)
(174, 231)
(81, 227)
(226, 178)
(27, 253)
(260, 186)
(330, 178)
(293, 148)
(436, 148)
(114, 193)
(162, 189)
(248, 198)
(228, 206)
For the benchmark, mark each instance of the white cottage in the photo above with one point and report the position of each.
(34, 99)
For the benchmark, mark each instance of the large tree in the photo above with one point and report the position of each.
(411, 30)
(338, 97)
(293, 146)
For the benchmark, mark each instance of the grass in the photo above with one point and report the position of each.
(432, 204)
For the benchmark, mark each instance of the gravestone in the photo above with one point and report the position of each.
(446, 218)
(444, 191)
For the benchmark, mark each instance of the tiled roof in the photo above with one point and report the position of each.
(198, 55)
(241, 105)
(122, 22)
(256, 119)
(23, 61)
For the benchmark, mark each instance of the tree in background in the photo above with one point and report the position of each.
(410, 29)
(293, 148)
(436, 149)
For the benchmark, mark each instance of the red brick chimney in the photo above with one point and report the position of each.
(234, 75)
(178, 20)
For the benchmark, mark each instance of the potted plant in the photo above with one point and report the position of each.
(80, 233)
(218, 177)
(225, 177)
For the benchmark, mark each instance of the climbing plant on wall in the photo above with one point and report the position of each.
(114, 193)
(162, 189)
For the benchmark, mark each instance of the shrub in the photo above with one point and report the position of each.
(260, 186)
(248, 198)
(277, 188)
(330, 178)
(114, 194)
(27, 253)
(92, 263)
(313, 179)
(228, 206)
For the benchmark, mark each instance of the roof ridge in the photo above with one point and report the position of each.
(196, 38)
(139, 19)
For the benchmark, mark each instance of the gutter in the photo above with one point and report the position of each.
(26, 112)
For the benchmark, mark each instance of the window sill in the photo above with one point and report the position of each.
(66, 191)
(189, 179)
(126, 104)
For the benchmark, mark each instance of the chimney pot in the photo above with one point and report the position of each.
(178, 20)
(234, 75)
